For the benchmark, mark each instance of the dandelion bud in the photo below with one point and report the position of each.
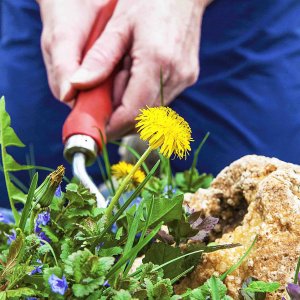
(46, 191)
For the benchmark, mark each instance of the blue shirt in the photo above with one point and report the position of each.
(247, 95)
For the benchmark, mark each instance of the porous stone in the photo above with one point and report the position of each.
(254, 196)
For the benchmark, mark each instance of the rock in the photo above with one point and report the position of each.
(255, 195)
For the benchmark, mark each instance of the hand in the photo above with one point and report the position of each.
(146, 37)
(66, 27)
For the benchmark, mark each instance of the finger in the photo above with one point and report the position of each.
(65, 57)
(143, 89)
(121, 81)
(103, 57)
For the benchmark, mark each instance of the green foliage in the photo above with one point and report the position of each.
(87, 253)
(253, 289)
(9, 138)
(213, 289)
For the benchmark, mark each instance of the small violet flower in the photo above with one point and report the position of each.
(106, 284)
(169, 189)
(44, 237)
(58, 192)
(4, 219)
(11, 237)
(37, 269)
(42, 220)
(31, 298)
(57, 285)
(294, 289)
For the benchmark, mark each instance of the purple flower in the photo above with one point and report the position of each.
(294, 289)
(57, 285)
(58, 192)
(43, 218)
(31, 298)
(169, 189)
(4, 219)
(37, 269)
(106, 284)
(11, 237)
(43, 237)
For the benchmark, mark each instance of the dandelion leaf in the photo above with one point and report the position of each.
(22, 292)
(8, 136)
(160, 253)
(15, 250)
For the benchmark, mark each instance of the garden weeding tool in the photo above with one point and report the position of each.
(81, 130)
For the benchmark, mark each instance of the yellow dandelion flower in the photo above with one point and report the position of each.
(163, 127)
(122, 169)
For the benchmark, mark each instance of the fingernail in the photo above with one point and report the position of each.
(64, 90)
(80, 76)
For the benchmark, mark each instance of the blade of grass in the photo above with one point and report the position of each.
(134, 153)
(132, 232)
(135, 250)
(181, 275)
(126, 204)
(107, 162)
(297, 271)
(214, 289)
(164, 164)
(195, 159)
(169, 177)
(235, 266)
(161, 83)
(104, 178)
(205, 249)
(142, 235)
(28, 202)
(169, 262)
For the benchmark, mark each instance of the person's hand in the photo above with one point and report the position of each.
(146, 36)
(66, 27)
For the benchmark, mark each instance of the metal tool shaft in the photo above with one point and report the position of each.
(80, 172)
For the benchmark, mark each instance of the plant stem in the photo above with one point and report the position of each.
(7, 182)
(125, 182)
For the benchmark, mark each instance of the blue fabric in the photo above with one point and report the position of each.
(247, 95)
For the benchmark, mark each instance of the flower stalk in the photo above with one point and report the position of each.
(125, 183)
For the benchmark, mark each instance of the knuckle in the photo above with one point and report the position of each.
(189, 75)
(165, 59)
(58, 34)
(45, 41)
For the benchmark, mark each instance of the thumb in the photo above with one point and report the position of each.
(103, 57)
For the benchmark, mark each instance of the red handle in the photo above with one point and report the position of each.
(93, 107)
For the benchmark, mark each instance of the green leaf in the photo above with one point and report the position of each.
(82, 290)
(165, 209)
(15, 250)
(261, 286)
(50, 234)
(110, 251)
(9, 138)
(248, 295)
(12, 166)
(159, 253)
(22, 292)
(2, 295)
(122, 295)
(28, 204)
